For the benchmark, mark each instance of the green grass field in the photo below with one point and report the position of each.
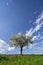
(21, 60)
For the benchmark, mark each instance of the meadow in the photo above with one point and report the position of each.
(21, 59)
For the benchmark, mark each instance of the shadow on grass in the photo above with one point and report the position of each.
(3, 57)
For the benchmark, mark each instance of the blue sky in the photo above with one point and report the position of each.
(25, 16)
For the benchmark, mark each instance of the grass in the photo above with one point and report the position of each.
(21, 59)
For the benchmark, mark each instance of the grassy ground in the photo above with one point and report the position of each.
(21, 60)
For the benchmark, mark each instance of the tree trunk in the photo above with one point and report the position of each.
(21, 50)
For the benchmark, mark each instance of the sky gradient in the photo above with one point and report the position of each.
(25, 16)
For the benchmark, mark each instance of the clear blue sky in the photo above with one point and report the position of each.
(18, 16)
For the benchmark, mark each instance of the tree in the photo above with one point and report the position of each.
(20, 40)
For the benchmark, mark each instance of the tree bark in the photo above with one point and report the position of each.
(21, 50)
